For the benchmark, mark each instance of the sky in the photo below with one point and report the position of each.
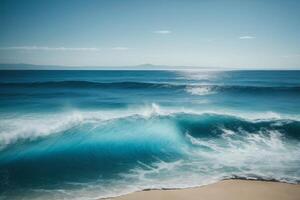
(201, 33)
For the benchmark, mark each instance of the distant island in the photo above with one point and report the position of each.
(22, 66)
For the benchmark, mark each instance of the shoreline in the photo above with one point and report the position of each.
(228, 189)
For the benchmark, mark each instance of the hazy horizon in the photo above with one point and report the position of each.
(148, 66)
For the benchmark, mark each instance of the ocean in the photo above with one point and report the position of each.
(95, 134)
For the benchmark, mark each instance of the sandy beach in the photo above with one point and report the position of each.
(224, 190)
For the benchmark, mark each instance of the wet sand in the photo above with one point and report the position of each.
(224, 190)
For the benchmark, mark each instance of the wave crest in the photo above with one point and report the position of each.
(152, 147)
(39, 126)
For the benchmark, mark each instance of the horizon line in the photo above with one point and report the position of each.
(140, 67)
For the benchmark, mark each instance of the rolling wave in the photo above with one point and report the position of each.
(152, 147)
(37, 126)
(191, 88)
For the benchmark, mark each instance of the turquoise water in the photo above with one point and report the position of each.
(93, 134)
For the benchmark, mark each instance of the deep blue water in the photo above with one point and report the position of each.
(93, 134)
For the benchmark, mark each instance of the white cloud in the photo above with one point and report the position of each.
(120, 48)
(44, 48)
(162, 32)
(246, 37)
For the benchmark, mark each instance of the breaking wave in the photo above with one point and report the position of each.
(89, 153)
(37, 126)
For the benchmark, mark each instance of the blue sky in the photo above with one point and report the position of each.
(218, 33)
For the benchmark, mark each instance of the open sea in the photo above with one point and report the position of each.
(95, 134)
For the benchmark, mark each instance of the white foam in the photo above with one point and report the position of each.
(261, 153)
(200, 90)
(14, 128)
(32, 127)
(249, 155)
(265, 154)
